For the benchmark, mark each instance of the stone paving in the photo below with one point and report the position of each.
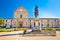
(17, 37)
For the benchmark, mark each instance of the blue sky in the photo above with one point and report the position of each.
(47, 8)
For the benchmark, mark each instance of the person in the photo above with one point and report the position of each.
(24, 32)
(30, 26)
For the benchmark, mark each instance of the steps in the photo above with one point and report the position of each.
(35, 28)
(41, 33)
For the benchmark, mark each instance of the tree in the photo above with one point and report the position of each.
(36, 11)
(1, 22)
(48, 24)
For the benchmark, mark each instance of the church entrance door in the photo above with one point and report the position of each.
(20, 25)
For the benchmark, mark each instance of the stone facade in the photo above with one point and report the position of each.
(21, 20)
(21, 13)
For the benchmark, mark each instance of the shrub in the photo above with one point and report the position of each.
(53, 29)
(58, 29)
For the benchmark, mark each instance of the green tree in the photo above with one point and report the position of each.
(36, 11)
(48, 24)
(1, 23)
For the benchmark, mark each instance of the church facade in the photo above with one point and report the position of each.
(21, 19)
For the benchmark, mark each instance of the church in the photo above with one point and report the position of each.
(21, 19)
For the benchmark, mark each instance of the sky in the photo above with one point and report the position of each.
(47, 8)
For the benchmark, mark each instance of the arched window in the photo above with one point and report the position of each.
(34, 24)
(41, 20)
(30, 20)
(54, 20)
(48, 20)
(39, 24)
(42, 25)
(20, 16)
(11, 20)
(6, 20)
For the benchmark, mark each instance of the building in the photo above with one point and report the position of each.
(21, 19)
(59, 22)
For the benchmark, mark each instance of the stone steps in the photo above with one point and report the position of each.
(35, 28)
(42, 33)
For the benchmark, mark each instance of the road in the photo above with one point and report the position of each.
(29, 38)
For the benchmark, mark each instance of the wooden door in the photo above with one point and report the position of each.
(20, 25)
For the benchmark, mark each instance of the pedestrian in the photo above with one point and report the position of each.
(24, 32)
